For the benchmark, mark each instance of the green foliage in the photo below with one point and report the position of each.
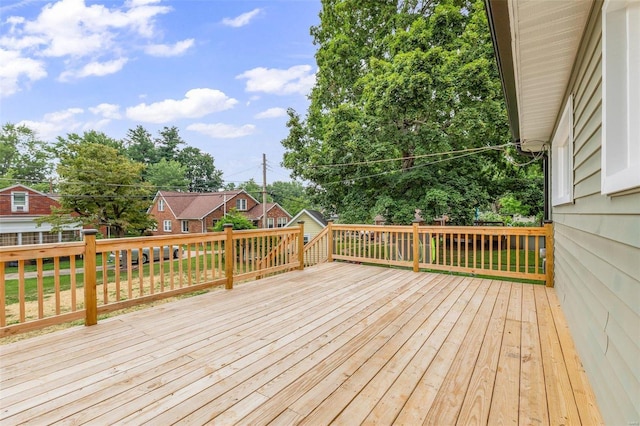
(168, 143)
(292, 196)
(140, 146)
(509, 205)
(23, 157)
(237, 219)
(101, 187)
(401, 85)
(167, 176)
(201, 172)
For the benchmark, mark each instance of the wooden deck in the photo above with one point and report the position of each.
(337, 343)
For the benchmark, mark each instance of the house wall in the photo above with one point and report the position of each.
(39, 204)
(20, 228)
(275, 213)
(311, 227)
(161, 216)
(597, 254)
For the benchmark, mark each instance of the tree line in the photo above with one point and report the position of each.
(107, 182)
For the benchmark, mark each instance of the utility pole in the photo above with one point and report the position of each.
(264, 190)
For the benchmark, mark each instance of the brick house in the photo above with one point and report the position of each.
(192, 212)
(20, 206)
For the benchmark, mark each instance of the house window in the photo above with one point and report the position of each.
(620, 96)
(154, 227)
(161, 205)
(307, 238)
(166, 226)
(185, 225)
(241, 204)
(562, 158)
(282, 222)
(19, 202)
(270, 222)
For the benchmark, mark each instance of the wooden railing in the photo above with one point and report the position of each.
(514, 252)
(54, 283)
(317, 250)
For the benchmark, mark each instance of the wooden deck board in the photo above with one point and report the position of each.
(338, 343)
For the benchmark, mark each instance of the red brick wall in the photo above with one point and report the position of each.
(161, 217)
(275, 213)
(38, 204)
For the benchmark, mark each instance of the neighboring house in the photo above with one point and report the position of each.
(571, 76)
(20, 206)
(314, 223)
(277, 217)
(193, 212)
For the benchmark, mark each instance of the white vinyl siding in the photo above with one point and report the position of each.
(597, 273)
(620, 96)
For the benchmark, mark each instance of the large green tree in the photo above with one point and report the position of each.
(406, 97)
(168, 176)
(201, 172)
(24, 158)
(100, 187)
(140, 146)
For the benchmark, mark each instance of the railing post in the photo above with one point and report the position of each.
(548, 226)
(330, 240)
(416, 246)
(301, 246)
(228, 255)
(90, 297)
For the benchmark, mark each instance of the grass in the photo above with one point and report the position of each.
(48, 265)
(48, 282)
(487, 261)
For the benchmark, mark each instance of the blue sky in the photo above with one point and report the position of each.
(222, 71)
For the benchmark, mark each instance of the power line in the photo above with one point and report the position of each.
(413, 157)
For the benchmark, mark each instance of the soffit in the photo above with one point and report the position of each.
(545, 37)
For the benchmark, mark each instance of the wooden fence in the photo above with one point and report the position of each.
(514, 252)
(54, 283)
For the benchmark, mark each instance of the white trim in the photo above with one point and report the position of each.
(184, 228)
(294, 220)
(20, 208)
(562, 158)
(166, 226)
(620, 159)
(161, 205)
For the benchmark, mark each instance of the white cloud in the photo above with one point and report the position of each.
(15, 68)
(241, 20)
(90, 39)
(297, 79)
(71, 28)
(95, 69)
(196, 103)
(272, 113)
(109, 111)
(56, 123)
(222, 131)
(169, 50)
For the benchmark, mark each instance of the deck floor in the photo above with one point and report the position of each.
(337, 343)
